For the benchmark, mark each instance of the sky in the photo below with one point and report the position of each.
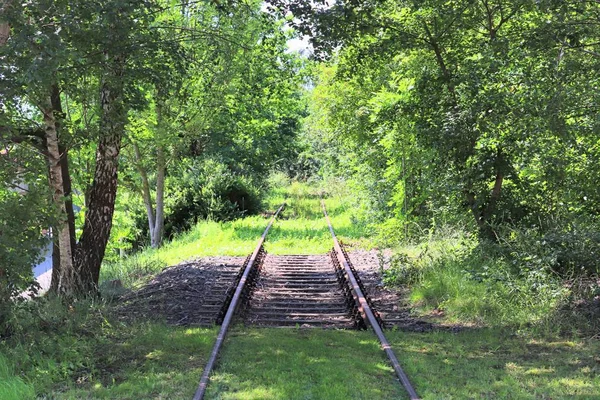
(299, 44)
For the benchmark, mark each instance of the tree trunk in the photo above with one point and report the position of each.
(4, 32)
(66, 274)
(102, 194)
(145, 191)
(160, 195)
(67, 189)
(156, 215)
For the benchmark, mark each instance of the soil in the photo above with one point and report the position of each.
(189, 293)
(194, 293)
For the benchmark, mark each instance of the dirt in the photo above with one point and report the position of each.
(194, 292)
(189, 293)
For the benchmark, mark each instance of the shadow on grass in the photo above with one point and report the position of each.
(491, 364)
(303, 364)
(152, 361)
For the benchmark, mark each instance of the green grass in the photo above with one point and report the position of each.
(301, 229)
(82, 351)
(12, 387)
(160, 362)
(495, 364)
(302, 364)
(154, 361)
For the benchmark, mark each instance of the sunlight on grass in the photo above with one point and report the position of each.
(303, 364)
(301, 229)
(489, 364)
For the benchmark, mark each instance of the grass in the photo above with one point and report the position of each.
(301, 229)
(302, 364)
(12, 387)
(496, 364)
(475, 364)
(81, 351)
(160, 362)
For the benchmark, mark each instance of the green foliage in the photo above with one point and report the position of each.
(12, 387)
(24, 217)
(443, 112)
(208, 189)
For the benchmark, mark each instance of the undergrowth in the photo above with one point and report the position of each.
(12, 387)
(455, 276)
(72, 350)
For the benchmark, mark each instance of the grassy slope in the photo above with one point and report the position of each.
(84, 353)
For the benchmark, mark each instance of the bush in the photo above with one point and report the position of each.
(209, 189)
(22, 242)
(568, 247)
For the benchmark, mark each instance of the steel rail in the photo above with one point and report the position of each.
(199, 395)
(365, 310)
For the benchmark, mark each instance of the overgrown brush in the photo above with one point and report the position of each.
(496, 285)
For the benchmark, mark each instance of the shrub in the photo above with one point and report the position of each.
(22, 242)
(568, 247)
(209, 189)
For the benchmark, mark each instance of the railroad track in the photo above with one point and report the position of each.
(300, 290)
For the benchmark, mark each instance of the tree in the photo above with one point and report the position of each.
(237, 102)
(54, 45)
(495, 93)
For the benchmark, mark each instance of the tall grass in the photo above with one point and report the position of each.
(470, 282)
(12, 387)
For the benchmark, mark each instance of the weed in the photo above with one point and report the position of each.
(13, 387)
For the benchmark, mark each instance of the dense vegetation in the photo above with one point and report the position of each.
(86, 351)
(461, 136)
(184, 107)
(478, 118)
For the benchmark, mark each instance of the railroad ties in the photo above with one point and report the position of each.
(299, 290)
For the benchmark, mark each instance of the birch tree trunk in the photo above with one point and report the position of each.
(67, 189)
(67, 277)
(154, 212)
(146, 195)
(103, 192)
(160, 196)
(155, 215)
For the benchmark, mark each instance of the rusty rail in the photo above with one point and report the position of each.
(199, 395)
(368, 314)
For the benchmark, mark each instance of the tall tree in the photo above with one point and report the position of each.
(494, 89)
(52, 46)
